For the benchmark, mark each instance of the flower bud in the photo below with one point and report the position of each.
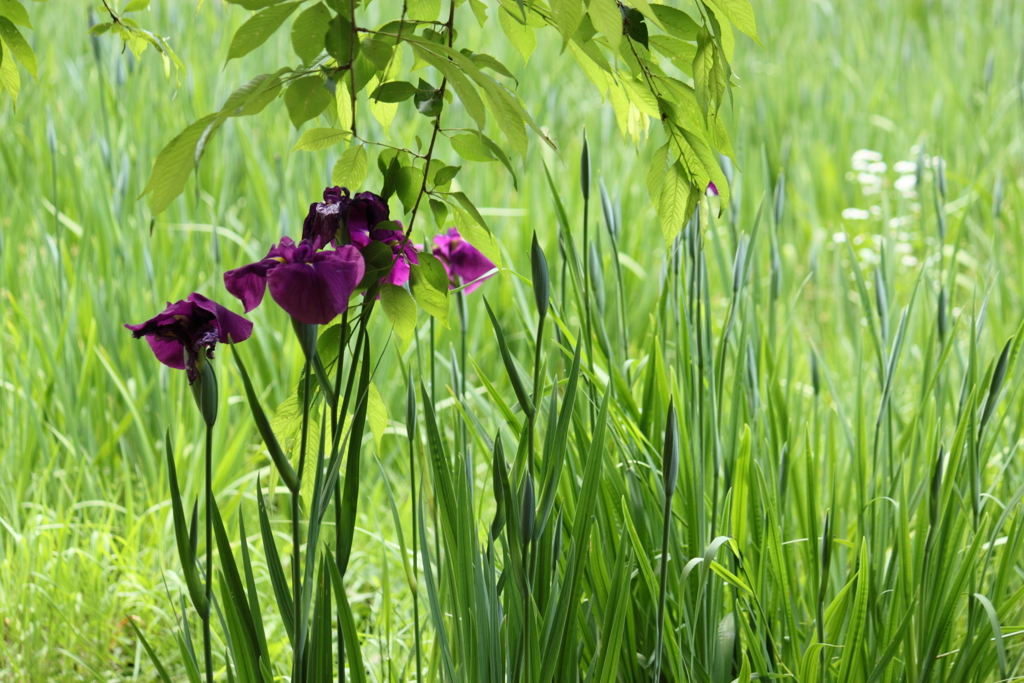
(527, 513)
(670, 456)
(541, 281)
(307, 337)
(204, 390)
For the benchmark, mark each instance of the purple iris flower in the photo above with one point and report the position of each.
(462, 260)
(359, 214)
(186, 332)
(403, 251)
(324, 218)
(312, 286)
(712, 189)
(364, 211)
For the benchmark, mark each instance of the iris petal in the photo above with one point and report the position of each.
(315, 292)
(168, 351)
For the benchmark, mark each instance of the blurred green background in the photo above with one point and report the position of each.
(85, 533)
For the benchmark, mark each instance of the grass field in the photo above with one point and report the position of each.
(847, 399)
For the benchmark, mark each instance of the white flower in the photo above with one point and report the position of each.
(906, 184)
(839, 237)
(877, 167)
(909, 261)
(869, 256)
(862, 158)
(853, 214)
(905, 167)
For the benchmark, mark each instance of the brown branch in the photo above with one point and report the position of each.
(351, 63)
(437, 126)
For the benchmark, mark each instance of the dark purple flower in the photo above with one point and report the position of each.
(462, 260)
(712, 189)
(186, 332)
(310, 285)
(403, 251)
(363, 212)
(324, 217)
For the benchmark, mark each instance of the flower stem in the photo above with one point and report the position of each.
(300, 631)
(207, 641)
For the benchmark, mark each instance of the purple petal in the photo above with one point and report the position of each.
(316, 292)
(231, 326)
(248, 283)
(168, 351)
(461, 259)
(399, 274)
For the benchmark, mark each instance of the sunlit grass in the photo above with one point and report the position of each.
(85, 536)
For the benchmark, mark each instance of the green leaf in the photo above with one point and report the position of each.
(278, 582)
(672, 203)
(479, 236)
(519, 34)
(316, 139)
(376, 414)
(253, 97)
(160, 669)
(306, 98)
(428, 281)
(254, 5)
(440, 211)
(607, 19)
(350, 170)
(16, 12)
(703, 70)
(471, 148)
(348, 627)
(465, 89)
(567, 15)
(522, 395)
(284, 467)
(470, 208)
(487, 61)
(428, 101)
(741, 14)
(853, 642)
(446, 174)
(409, 183)
(9, 78)
(309, 30)
(634, 25)
(677, 22)
(400, 310)
(350, 495)
(135, 6)
(17, 44)
(196, 590)
(394, 91)
(378, 52)
(423, 10)
(338, 40)
(259, 28)
(501, 156)
(173, 165)
(997, 633)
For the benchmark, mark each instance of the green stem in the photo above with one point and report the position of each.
(207, 641)
(296, 535)
(415, 566)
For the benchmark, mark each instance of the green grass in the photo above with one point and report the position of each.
(85, 528)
